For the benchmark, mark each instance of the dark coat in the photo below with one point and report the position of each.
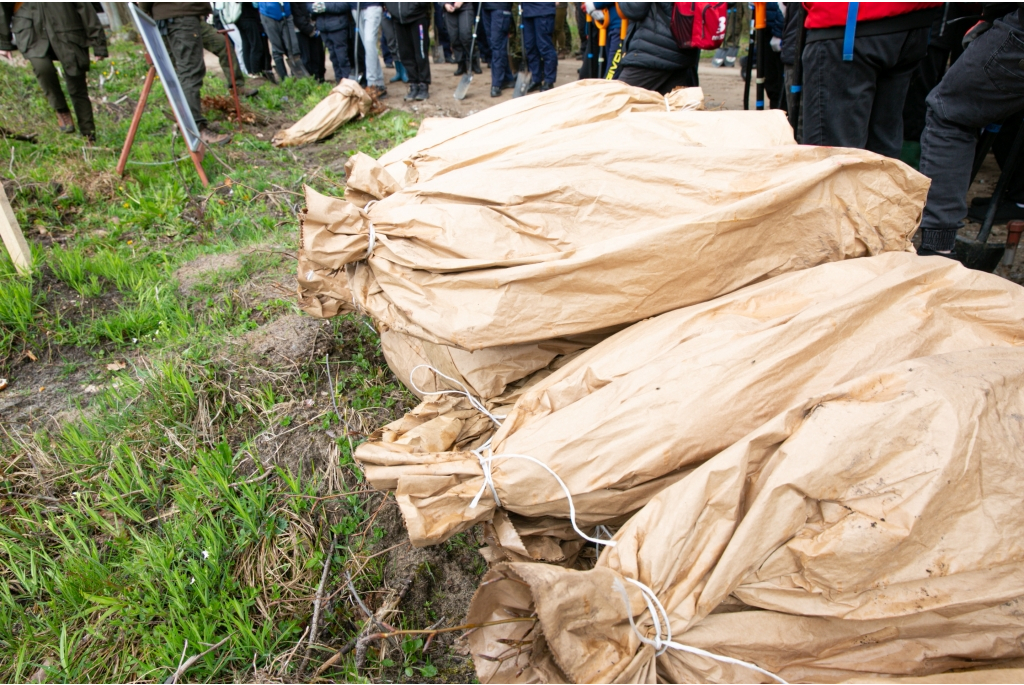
(69, 28)
(303, 19)
(173, 10)
(649, 43)
(537, 9)
(337, 16)
(409, 12)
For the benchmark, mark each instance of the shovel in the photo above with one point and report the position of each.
(979, 253)
(522, 78)
(602, 41)
(613, 68)
(467, 78)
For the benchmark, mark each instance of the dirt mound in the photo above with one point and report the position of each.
(193, 273)
(292, 339)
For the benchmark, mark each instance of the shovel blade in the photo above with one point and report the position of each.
(460, 92)
(977, 255)
(522, 83)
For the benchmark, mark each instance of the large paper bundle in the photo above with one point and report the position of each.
(345, 102)
(599, 226)
(875, 529)
(629, 417)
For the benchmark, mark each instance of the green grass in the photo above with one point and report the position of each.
(151, 520)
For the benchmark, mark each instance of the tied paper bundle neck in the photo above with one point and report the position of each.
(872, 530)
(639, 411)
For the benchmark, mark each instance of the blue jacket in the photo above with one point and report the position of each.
(537, 9)
(275, 10)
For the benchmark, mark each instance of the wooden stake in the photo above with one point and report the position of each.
(13, 237)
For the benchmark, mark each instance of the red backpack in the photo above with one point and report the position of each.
(699, 24)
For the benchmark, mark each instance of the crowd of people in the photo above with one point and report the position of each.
(913, 79)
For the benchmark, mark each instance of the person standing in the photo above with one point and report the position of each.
(63, 32)
(653, 60)
(441, 33)
(310, 46)
(857, 69)
(460, 18)
(982, 87)
(737, 25)
(390, 40)
(539, 44)
(280, 29)
(412, 30)
(334, 21)
(181, 26)
(368, 17)
(254, 43)
(497, 17)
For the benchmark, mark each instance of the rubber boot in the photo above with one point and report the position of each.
(400, 73)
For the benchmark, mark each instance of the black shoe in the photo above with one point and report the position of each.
(448, 59)
(414, 89)
(495, 91)
(461, 70)
(423, 92)
(508, 84)
(546, 86)
(477, 69)
(534, 86)
(1008, 211)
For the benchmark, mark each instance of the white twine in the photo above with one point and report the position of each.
(658, 614)
(477, 404)
(667, 107)
(373, 232)
(485, 464)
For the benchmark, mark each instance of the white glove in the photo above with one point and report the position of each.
(776, 44)
(597, 16)
(589, 6)
(319, 8)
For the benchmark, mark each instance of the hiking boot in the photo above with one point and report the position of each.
(424, 92)
(414, 89)
(730, 56)
(546, 86)
(377, 92)
(91, 136)
(461, 70)
(534, 86)
(65, 123)
(719, 59)
(477, 69)
(495, 91)
(211, 137)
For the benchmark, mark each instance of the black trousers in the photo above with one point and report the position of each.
(414, 49)
(254, 45)
(460, 33)
(859, 104)
(78, 90)
(984, 86)
(313, 58)
(658, 80)
(337, 45)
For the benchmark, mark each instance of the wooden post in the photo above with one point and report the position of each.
(136, 118)
(13, 237)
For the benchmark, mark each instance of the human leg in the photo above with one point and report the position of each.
(274, 30)
(532, 51)
(837, 95)
(545, 27)
(499, 23)
(186, 44)
(885, 128)
(46, 76)
(369, 33)
(78, 90)
(337, 45)
(214, 42)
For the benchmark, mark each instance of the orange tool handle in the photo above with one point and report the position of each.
(760, 15)
(602, 36)
(624, 22)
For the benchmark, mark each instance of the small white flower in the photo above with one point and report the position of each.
(206, 555)
(193, 581)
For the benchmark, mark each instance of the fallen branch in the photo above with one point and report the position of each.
(191, 660)
(313, 624)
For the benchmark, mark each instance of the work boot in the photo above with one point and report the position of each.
(211, 137)
(461, 69)
(424, 92)
(534, 86)
(730, 56)
(495, 91)
(414, 88)
(719, 58)
(448, 59)
(476, 67)
(508, 84)
(65, 123)
(90, 136)
(546, 86)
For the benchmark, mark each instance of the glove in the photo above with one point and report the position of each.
(319, 8)
(776, 44)
(598, 16)
(589, 8)
(975, 31)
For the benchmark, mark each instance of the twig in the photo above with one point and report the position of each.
(313, 627)
(191, 660)
(287, 661)
(435, 631)
(349, 646)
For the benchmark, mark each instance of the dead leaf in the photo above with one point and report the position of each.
(28, 353)
(91, 389)
(3, 383)
(116, 366)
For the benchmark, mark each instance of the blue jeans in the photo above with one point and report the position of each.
(498, 23)
(369, 19)
(539, 46)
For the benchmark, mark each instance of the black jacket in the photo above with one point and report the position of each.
(303, 18)
(337, 16)
(409, 12)
(649, 44)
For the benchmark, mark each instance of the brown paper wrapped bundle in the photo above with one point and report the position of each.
(634, 414)
(345, 102)
(569, 237)
(872, 530)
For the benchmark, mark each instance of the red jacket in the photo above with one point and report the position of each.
(822, 15)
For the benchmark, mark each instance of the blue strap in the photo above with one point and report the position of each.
(759, 104)
(795, 89)
(851, 29)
